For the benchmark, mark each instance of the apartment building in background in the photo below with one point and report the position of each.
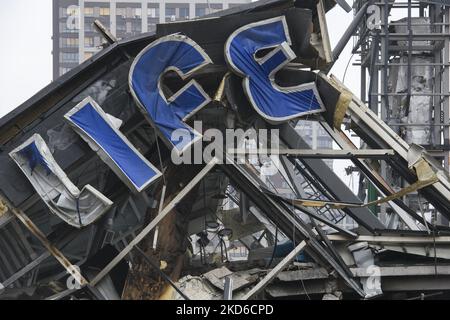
(74, 36)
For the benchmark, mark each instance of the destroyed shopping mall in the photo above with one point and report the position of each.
(118, 180)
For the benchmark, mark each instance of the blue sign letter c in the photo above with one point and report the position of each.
(170, 53)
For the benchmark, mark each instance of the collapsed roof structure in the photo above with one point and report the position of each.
(93, 205)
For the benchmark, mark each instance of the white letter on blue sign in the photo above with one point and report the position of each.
(170, 53)
(274, 103)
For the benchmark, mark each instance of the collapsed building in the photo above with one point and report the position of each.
(94, 207)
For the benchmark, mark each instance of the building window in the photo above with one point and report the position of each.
(202, 9)
(65, 27)
(184, 13)
(89, 12)
(133, 27)
(72, 42)
(177, 11)
(170, 12)
(200, 12)
(121, 12)
(121, 27)
(137, 12)
(68, 57)
(69, 11)
(104, 11)
(89, 42)
(129, 10)
(153, 12)
(63, 70)
(325, 143)
(89, 26)
(137, 27)
(69, 42)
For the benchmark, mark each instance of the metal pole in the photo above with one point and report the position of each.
(348, 34)
(228, 288)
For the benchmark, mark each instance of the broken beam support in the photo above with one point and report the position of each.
(394, 239)
(275, 271)
(333, 184)
(284, 217)
(155, 221)
(71, 269)
(362, 117)
(377, 180)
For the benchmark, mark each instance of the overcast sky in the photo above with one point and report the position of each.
(26, 51)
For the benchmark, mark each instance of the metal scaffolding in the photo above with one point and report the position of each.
(404, 58)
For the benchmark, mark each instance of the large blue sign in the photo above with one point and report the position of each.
(170, 53)
(274, 103)
(255, 51)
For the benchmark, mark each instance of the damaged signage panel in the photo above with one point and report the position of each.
(173, 53)
(144, 227)
(101, 132)
(272, 102)
(63, 198)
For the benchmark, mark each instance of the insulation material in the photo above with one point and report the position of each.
(419, 110)
(364, 258)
